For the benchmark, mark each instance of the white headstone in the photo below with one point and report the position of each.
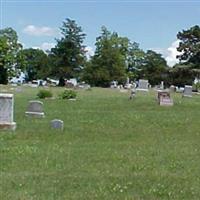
(143, 85)
(162, 85)
(187, 91)
(6, 112)
(35, 109)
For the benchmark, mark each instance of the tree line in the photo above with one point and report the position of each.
(115, 58)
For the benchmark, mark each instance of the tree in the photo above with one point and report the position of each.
(3, 60)
(68, 56)
(155, 66)
(9, 48)
(35, 63)
(135, 60)
(180, 75)
(109, 60)
(189, 46)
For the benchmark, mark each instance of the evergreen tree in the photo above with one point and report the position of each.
(68, 56)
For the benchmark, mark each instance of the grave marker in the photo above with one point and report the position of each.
(57, 124)
(35, 109)
(187, 91)
(143, 85)
(6, 112)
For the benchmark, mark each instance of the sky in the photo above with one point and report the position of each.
(153, 24)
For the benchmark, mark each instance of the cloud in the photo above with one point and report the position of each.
(39, 31)
(45, 46)
(170, 53)
(89, 52)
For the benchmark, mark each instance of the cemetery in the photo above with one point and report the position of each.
(102, 146)
(101, 106)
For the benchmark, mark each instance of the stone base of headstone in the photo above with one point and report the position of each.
(184, 95)
(166, 102)
(143, 90)
(72, 99)
(34, 114)
(8, 126)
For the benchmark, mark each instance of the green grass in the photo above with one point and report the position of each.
(111, 148)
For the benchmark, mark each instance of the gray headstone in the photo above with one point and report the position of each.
(143, 85)
(57, 124)
(35, 109)
(187, 91)
(6, 112)
(172, 88)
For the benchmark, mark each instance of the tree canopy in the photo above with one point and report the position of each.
(9, 49)
(114, 57)
(189, 45)
(154, 67)
(35, 64)
(68, 56)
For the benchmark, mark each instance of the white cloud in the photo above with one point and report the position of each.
(170, 53)
(89, 52)
(45, 46)
(39, 31)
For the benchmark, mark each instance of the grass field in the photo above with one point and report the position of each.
(111, 148)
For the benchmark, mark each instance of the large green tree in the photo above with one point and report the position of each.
(4, 58)
(154, 67)
(135, 60)
(35, 63)
(68, 56)
(9, 49)
(109, 60)
(189, 46)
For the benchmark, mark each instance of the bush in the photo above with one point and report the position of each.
(196, 87)
(68, 94)
(42, 94)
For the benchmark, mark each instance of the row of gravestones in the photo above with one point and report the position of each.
(164, 98)
(143, 85)
(35, 109)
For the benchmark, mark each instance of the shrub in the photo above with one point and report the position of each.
(68, 94)
(196, 87)
(42, 94)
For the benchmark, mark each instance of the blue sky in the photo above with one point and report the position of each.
(153, 24)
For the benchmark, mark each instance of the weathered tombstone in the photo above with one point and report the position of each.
(57, 124)
(6, 112)
(143, 85)
(35, 109)
(172, 88)
(127, 80)
(187, 91)
(164, 99)
(162, 85)
(133, 93)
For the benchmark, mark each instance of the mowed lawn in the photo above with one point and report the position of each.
(111, 148)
